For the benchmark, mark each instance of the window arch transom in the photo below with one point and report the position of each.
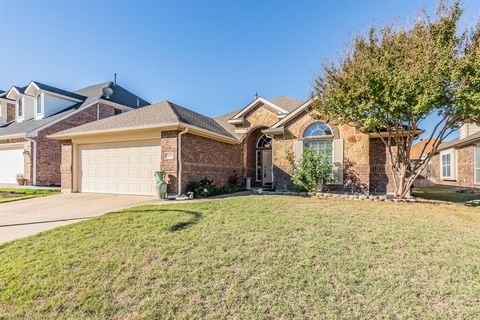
(264, 142)
(317, 129)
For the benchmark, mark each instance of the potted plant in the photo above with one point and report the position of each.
(21, 179)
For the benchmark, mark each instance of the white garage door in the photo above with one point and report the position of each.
(122, 168)
(11, 164)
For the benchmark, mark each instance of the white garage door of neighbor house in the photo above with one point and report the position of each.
(122, 168)
(11, 164)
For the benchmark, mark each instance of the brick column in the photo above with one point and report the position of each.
(168, 162)
(66, 166)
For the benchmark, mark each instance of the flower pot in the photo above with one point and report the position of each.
(21, 182)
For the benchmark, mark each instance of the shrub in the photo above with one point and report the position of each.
(312, 171)
(202, 188)
(205, 188)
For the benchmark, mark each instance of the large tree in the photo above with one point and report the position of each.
(392, 80)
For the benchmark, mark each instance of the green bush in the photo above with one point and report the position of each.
(311, 172)
(205, 188)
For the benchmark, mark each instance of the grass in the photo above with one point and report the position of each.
(253, 257)
(439, 193)
(14, 194)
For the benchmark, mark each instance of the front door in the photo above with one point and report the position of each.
(267, 167)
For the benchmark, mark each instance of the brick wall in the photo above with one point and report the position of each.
(465, 169)
(10, 112)
(66, 166)
(381, 178)
(168, 145)
(49, 150)
(215, 160)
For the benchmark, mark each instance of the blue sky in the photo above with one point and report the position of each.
(210, 56)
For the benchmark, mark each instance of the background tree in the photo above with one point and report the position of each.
(392, 80)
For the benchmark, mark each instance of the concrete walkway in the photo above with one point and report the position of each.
(26, 217)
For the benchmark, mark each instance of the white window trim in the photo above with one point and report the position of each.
(453, 164)
(39, 115)
(22, 117)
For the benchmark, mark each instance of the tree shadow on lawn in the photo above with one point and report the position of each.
(195, 217)
(447, 195)
(473, 203)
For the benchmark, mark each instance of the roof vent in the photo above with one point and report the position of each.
(107, 92)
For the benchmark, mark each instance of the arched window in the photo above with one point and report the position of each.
(320, 146)
(317, 129)
(264, 142)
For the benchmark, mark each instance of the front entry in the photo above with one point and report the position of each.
(267, 168)
(264, 161)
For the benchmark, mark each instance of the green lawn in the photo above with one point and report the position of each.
(447, 194)
(253, 257)
(14, 194)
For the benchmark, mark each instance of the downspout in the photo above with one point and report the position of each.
(98, 111)
(180, 165)
(34, 162)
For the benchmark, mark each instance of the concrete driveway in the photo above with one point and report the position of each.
(26, 217)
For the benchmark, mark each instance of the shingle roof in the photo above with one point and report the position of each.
(223, 121)
(286, 103)
(416, 151)
(20, 89)
(66, 93)
(120, 95)
(164, 112)
(14, 128)
(88, 95)
(457, 142)
(3, 95)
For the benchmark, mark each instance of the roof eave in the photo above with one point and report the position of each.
(237, 121)
(14, 136)
(279, 130)
(294, 113)
(460, 143)
(252, 104)
(163, 127)
(385, 134)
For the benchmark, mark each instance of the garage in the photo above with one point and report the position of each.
(11, 163)
(121, 168)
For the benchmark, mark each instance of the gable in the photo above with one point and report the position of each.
(260, 116)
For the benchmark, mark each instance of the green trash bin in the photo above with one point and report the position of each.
(161, 185)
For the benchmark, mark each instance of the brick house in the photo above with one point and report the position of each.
(457, 163)
(120, 154)
(28, 115)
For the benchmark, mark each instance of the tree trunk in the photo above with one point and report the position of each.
(402, 186)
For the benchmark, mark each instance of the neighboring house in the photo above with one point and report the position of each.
(457, 163)
(120, 154)
(29, 114)
(419, 151)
